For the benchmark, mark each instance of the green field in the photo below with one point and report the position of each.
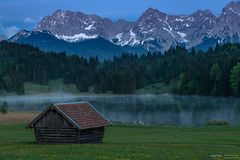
(156, 88)
(57, 85)
(125, 142)
(53, 86)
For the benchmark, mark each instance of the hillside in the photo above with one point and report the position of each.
(214, 72)
(100, 47)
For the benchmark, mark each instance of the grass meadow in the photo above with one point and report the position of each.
(125, 142)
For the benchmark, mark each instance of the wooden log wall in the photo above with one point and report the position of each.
(94, 135)
(45, 135)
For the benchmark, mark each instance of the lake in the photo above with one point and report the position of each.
(143, 109)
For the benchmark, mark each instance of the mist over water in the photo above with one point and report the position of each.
(143, 109)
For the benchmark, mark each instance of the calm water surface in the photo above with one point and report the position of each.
(144, 109)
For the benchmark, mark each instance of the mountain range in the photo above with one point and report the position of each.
(88, 35)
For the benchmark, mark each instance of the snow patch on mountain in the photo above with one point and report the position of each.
(76, 37)
(119, 36)
(90, 27)
(147, 40)
(170, 31)
(148, 31)
(133, 36)
(179, 20)
(132, 41)
(236, 12)
(182, 34)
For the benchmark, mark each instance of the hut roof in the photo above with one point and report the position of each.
(82, 115)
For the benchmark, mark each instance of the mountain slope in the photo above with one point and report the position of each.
(46, 41)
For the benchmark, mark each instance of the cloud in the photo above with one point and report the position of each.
(8, 31)
(28, 20)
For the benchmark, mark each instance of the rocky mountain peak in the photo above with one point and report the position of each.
(232, 8)
(203, 13)
(152, 13)
(58, 12)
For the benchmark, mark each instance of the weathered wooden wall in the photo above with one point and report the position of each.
(52, 119)
(54, 128)
(45, 136)
(94, 135)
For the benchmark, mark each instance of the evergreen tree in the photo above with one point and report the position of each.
(215, 76)
(235, 79)
(182, 84)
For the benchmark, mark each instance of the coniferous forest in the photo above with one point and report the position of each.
(215, 72)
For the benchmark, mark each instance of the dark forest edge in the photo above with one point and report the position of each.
(215, 72)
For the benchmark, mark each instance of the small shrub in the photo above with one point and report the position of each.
(217, 123)
(4, 108)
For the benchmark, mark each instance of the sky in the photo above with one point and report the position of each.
(25, 14)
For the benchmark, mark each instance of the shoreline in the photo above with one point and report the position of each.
(17, 117)
(109, 95)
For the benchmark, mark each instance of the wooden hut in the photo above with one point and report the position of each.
(69, 123)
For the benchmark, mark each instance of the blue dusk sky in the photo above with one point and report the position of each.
(25, 14)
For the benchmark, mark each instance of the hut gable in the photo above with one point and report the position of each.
(52, 119)
(69, 123)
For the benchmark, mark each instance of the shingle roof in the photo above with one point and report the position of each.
(82, 115)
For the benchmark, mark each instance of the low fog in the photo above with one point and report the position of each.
(142, 109)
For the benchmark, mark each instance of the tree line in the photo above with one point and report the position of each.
(214, 72)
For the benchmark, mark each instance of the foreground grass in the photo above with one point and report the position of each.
(127, 142)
